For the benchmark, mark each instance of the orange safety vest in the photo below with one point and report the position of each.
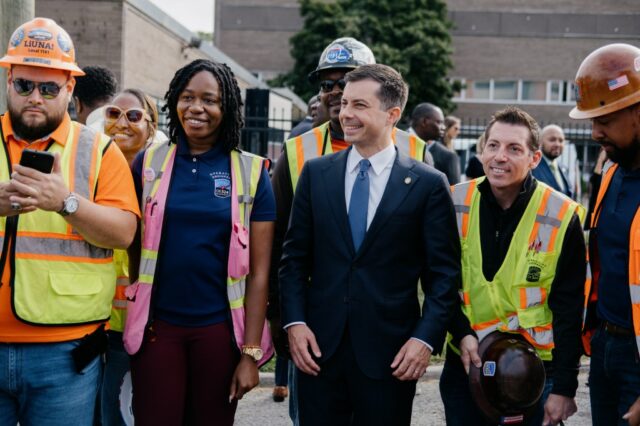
(591, 289)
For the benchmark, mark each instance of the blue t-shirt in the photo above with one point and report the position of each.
(619, 206)
(190, 280)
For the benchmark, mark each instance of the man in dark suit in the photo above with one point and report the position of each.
(368, 223)
(427, 121)
(549, 171)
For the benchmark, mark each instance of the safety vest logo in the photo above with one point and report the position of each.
(533, 275)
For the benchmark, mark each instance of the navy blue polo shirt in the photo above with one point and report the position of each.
(619, 206)
(190, 281)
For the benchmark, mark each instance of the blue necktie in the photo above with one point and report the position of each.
(359, 204)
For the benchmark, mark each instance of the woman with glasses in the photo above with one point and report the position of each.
(131, 120)
(196, 315)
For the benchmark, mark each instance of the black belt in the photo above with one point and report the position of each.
(616, 330)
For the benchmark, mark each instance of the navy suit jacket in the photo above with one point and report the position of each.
(372, 293)
(544, 174)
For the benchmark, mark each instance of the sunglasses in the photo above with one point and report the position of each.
(133, 115)
(328, 85)
(47, 89)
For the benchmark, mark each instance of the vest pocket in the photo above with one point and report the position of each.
(534, 316)
(79, 297)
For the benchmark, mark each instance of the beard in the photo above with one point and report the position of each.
(31, 132)
(626, 157)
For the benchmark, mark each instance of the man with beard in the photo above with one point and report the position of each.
(549, 171)
(427, 121)
(58, 277)
(608, 93)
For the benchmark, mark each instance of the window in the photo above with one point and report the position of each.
(534, 90)
(478, 89)
(505, 90)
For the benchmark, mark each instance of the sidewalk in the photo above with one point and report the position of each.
(257, 408)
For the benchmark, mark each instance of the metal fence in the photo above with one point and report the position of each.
(576, 133)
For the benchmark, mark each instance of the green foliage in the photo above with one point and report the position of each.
(410, 35)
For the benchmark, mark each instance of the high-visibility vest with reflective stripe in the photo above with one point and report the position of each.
(310, 145)
(119, 305)
(591, 291)
(58, 278)
(247, 170)
(516, 300)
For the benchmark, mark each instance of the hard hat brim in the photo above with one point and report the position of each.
(618, 105)
(313, 75)
(7, 61)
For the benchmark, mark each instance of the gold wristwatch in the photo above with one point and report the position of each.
(255, 352)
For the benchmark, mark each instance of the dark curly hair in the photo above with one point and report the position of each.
(97, 86)
(230, 99)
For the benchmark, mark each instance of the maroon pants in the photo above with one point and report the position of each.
(183, 375)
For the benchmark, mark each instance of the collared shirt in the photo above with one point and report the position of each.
(555, 170)
(381, 164)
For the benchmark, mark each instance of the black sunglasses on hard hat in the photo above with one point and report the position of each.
(327, 85)
(47, 89)
(133, 115)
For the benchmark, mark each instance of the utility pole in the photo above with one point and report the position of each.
(13, 13)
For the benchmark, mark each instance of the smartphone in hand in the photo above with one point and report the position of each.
(42, 161)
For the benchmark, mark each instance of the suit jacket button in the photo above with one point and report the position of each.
(346, 299)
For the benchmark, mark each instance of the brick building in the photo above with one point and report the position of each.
(505, 51)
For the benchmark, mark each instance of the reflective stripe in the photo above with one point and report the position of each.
(634, 291)
(119, 304)
(83, 164)
(540, 337)
(147, 266)
(549, 217)
(532, 296)
(55, 246)
(462, 195)
(236, 290)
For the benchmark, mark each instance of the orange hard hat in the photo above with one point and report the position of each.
(607, 81)
(511, 379)
(41, 43)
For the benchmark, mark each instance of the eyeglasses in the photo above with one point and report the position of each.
(327, 85)
(47, 89)
(133, 115)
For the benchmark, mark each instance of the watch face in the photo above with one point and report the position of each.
(71, 205)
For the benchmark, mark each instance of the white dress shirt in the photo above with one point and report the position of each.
(379, 172)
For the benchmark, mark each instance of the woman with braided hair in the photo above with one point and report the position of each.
(199, 348)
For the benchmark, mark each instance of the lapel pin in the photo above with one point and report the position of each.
(407, 180)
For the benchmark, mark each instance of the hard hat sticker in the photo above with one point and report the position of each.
(510, 420)
(17, 37)
(64, 43)
(337, 53)
(489, 369)
(617, 83)
(40, 34)
(636, 63)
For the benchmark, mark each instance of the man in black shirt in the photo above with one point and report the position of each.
(524, 267)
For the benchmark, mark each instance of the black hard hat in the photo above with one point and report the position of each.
(343, 53)
(510, 382)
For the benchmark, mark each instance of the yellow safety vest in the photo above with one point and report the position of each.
(58, 278)
(119, 305)
(317, 142)
(516, 300)
(247, 169)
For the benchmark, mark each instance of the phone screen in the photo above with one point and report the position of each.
(39, 160)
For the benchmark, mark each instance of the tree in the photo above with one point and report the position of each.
(412, 36)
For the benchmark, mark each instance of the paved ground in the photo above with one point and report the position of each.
(257, 408)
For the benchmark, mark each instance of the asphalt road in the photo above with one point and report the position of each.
(257, 408)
